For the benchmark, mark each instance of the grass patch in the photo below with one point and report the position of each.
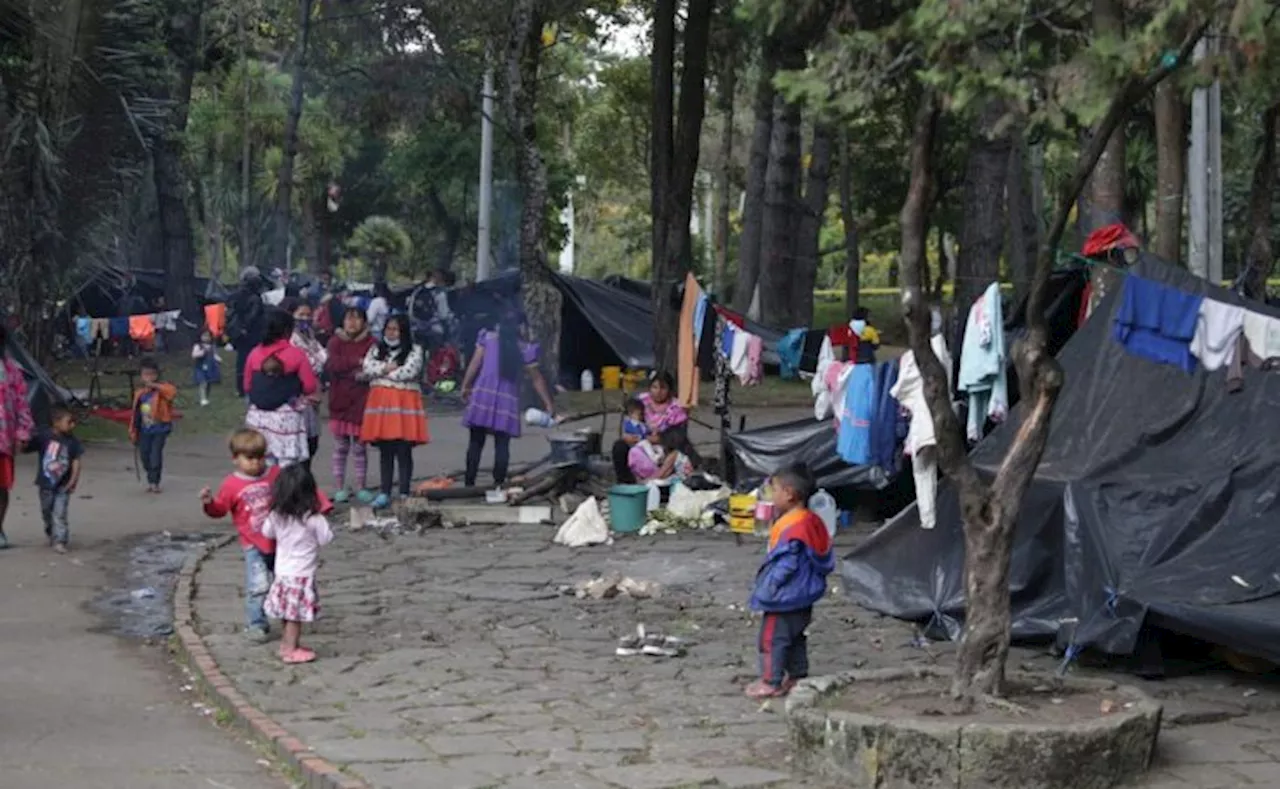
(110, 388)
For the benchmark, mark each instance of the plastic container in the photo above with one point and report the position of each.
(627, 507)
(742, 513)
(633, 380)
(823, 505)
(588, 381)
(611, 378)
(536, 417)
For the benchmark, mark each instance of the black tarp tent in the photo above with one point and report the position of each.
(1154, 505)
(762, 451)
(107, 291)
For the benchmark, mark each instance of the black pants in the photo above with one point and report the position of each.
(313, 444)
(784, 648)
(151, 453)
(501, 455)
(391, 454)
(620, 468)
(242, 355)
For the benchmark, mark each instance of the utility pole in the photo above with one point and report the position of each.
(1216, 272)
(485, 210)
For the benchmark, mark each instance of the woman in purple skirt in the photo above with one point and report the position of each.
(491, 388)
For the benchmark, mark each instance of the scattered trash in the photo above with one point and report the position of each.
(435, 483)
(1107, 707)
(145, 593)
(612, 586)
(585, 527)
(498, 496)
(1241, 582)
(651, 644)
(1250, 693)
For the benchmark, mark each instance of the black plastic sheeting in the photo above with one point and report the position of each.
(759, 453)
(1154, 505)
(42, 392)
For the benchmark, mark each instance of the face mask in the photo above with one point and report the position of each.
(392, 342)
(304, 326)
(858, 326)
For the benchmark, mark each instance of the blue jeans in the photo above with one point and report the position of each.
(151, 452)
(258, 567)
(53, 506)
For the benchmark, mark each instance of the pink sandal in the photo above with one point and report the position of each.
(298, 655)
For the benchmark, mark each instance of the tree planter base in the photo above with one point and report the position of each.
(1036, 747)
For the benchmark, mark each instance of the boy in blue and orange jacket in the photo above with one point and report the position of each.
(792, 578)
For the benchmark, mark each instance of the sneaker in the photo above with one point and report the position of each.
(761, 690)
(4, 541)
(257, 635)
(364, 496)
(60, 547)
(381, 502)
(204, 403)
(341, 497)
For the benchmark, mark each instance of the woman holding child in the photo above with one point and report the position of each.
(348, 393)
(304, 339)
(662, 415)
(277, 377)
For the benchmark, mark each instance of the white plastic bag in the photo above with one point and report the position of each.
(585, 527)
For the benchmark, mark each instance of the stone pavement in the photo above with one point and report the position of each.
(452, 660)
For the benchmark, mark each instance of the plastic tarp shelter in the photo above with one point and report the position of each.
(1154, 506)
(42, 392)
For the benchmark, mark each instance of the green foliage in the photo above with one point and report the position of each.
(382, 240)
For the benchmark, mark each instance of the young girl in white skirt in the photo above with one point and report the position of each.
(298, 528)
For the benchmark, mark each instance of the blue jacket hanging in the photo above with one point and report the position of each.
(1157, 322)
(853, 439)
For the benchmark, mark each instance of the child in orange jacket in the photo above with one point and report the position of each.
(152, 420)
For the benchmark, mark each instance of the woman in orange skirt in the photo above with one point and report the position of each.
(394, 418)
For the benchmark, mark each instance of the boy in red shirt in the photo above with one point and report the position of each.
(246, 495)
(792, 578)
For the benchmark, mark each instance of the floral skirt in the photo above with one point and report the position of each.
(394, 415)
(292, 599)
(285, 430)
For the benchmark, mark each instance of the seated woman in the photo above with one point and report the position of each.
(661, 413)
(659, 457)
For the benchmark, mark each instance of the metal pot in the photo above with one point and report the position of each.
(568, 449)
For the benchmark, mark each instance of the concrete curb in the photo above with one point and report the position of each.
(316, 773)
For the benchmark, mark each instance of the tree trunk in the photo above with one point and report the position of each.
(781, 204)
(1024, 222)
(170, 180)
(450, 230)
(982, 231)
(542, 300)
(1171, 152)
(1260, 258)
(662, 66)
(849, 218)
(728, 85)
(284, 181)
(1106, 194)
(990, 511)
(683, 176)
(757, 173)
(311, 232)
(814, 213)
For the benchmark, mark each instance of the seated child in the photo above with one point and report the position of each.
(792, 578)
(634, 428)
(659, 457)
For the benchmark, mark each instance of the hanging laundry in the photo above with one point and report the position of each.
(1156, 322)
(99, 329)
(84, 329)
(1218, 327)
(835, 383)
(842, 335)
(886, 419)
(826, 357)
(983, 363)
(813, 340)
(167, 320)
(1263, 332)
(726, 339)
(215, 318)
(853, 440)
(119, 328)
(731, 317)
(755, 360)
(921, 437)
(686, 350)
(739, 364)
(790, 350)
(699, 316)
(142, 329)
(708, 347)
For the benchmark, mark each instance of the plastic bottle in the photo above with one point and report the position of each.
(764, 510)
(588, 381)
(823, 505)
(536, 417)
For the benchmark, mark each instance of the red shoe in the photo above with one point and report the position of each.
(788, 685)
(298, 655)
(761, 690)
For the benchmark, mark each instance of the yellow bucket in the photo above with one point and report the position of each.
(742, 513)
(611, 377)
(633, 380)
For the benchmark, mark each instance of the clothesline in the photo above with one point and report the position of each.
(141, 328)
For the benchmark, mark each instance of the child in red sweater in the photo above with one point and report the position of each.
(245, 495)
